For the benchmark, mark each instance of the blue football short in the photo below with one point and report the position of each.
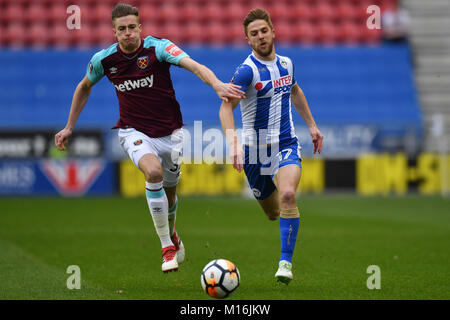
(262, 163)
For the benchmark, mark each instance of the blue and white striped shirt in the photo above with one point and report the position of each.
(266, 110)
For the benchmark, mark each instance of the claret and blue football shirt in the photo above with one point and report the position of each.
(143, 84)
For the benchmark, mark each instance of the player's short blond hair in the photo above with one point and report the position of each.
(257, 14)
(122, 10)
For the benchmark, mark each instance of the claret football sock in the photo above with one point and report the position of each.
(289, 225)
(158, 204)
(173, 217)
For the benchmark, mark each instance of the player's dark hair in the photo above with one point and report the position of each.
(122, 10)
(257, 14)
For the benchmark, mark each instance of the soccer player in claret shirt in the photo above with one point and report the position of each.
(149, 114)
(272, 159)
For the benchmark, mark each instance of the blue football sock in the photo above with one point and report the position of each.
(288, 235)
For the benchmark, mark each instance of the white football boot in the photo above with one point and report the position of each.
(169, 259)
(178, 246)
(284, 273)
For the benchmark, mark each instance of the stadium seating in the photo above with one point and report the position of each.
(38, 35)
(348, 74)
(56, 14)
(305, 33)
(364, 85)
(169, 14)
(13, 12)
(15, 35)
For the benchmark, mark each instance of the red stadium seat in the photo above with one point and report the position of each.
(182, 34)
(38, 35)
(245, 3)
(284, 32)
(302, 12)
(163, 31)
(19, 2)
(194, 32)
(57, 13)
(215, 33)
(327, 33)
(346, 11)
(171, 31)
(176, 36)
(360, 11)
(351, 33)
(236, 34)
(189, 13)
(235, 12)
(59, 36)
(13, 13)
(168, 12)
(227, 34)
(100, 13)
(138, 3)
(147, 14)
(15, 35)
(386, 4)
(151, 28)
(35, 13)
(87, 12)
(324, 11)
(2, 39)
(84, 37)
(80, 3)
(213, 12)
(304, 32)
(104, 35)
(279, 11)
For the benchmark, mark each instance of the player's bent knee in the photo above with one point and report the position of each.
(288, 197)
(153, 175)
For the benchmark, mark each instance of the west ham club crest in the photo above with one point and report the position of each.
(142, 62)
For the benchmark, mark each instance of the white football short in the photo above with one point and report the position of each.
(167, 149)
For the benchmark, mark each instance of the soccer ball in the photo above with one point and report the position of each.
(220, 278)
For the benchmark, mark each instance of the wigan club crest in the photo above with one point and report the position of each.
(142, 62)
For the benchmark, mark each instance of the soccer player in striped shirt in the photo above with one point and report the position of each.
(150, 116)
(271, 157)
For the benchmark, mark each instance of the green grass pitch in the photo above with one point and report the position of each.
(113, 242)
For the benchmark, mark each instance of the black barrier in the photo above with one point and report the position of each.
(26, 144)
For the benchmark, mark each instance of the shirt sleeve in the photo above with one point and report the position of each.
(294, 80)
(95, 70)
(243, 76)
(169, 52)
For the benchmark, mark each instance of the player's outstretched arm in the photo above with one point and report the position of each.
(298, 99)
(227, 121)
(80, 97)
(223, 90)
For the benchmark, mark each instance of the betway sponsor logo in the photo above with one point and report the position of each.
(129, 85)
